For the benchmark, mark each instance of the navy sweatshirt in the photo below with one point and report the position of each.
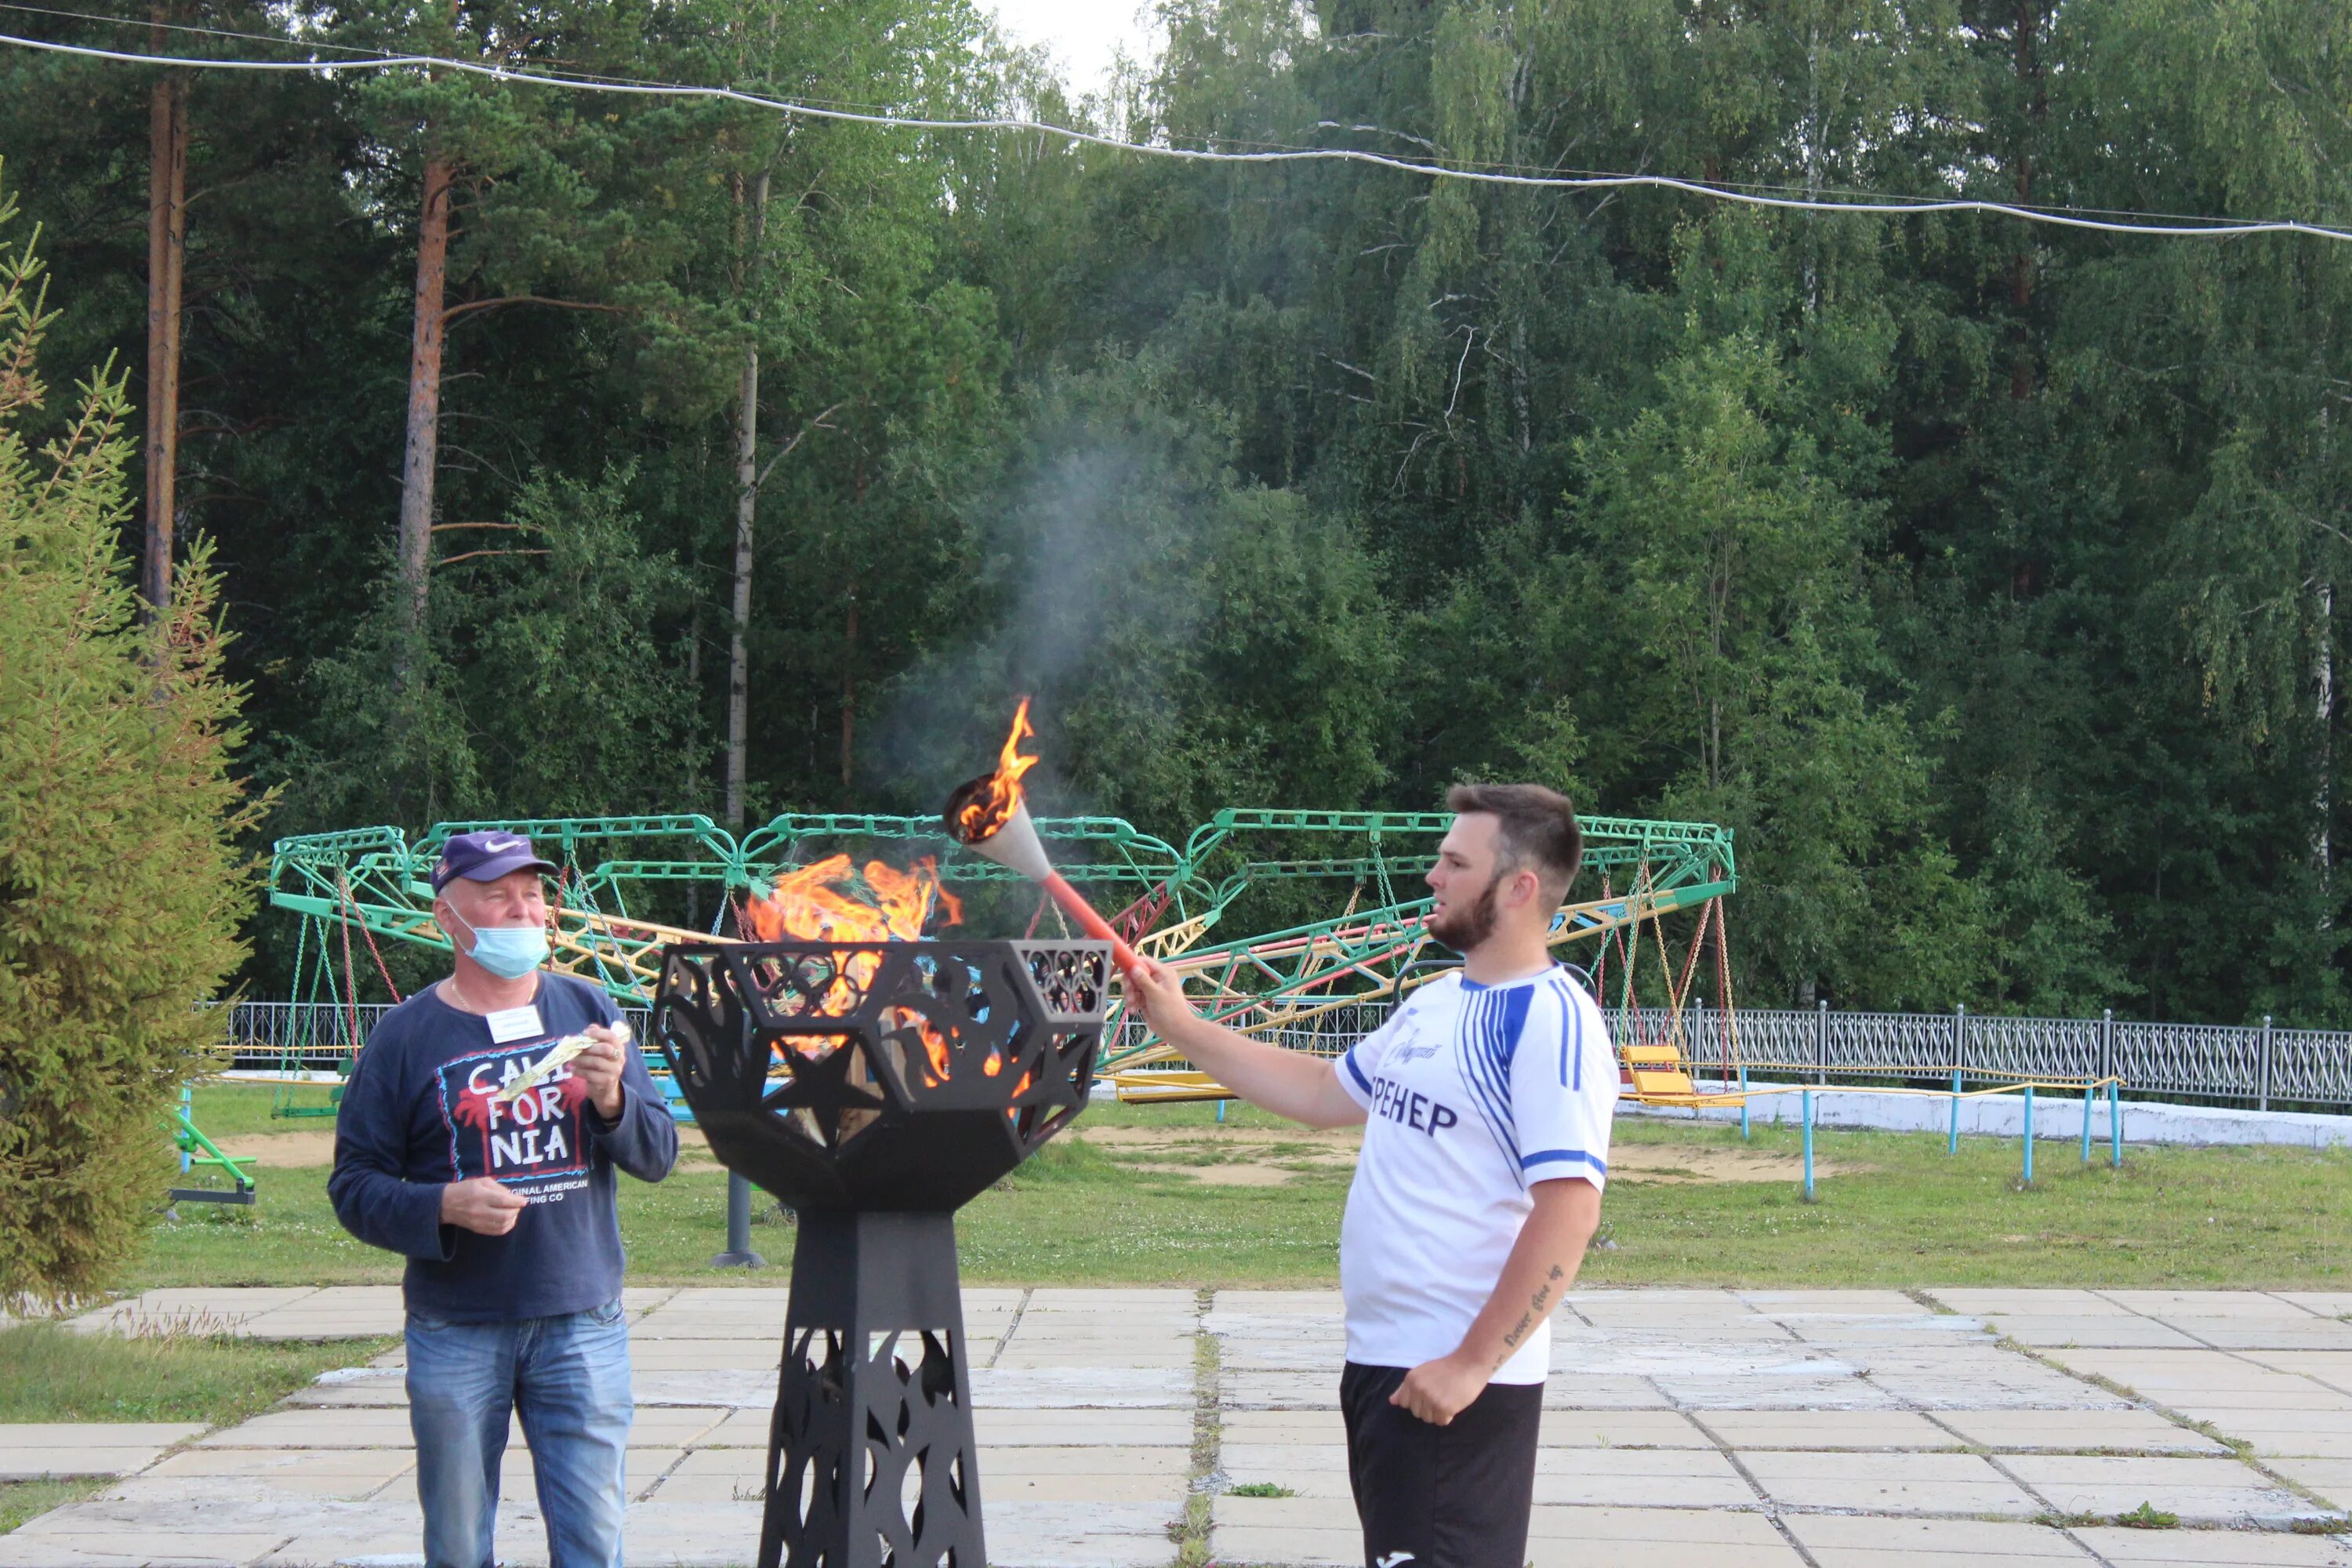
(418, 1115)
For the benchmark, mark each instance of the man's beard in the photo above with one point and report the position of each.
(1464, 927)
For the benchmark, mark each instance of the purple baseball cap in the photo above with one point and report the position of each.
(484, 857)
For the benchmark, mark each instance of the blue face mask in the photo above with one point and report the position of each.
(509, 951)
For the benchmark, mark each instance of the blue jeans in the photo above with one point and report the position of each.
(568, 1378)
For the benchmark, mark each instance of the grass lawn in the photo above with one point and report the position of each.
(1895, 1210)
(48, 1372)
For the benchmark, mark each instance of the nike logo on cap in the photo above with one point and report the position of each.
(498, 847)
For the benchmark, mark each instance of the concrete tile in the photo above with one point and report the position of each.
(705, 1356)
(1833, 1303)
(312, 1429)
(672, 1426)
(1647, 1477)
(1044, 1459)
(2325, 1303)
(2228, 1304)
(57, 1449)
(2331, 1367)
(2268, 1334)
(1690, 1527)
(2157, 1372)
(2115, 1332)
(18, 1551)
(332, 1312)
(2214, 1549)
(1619, 1429)
(2289, 1442)
(2142, 1431)
(1282, 1426)
(1284, 1391)
(176, 1549)
(1588, 1391)
(55, 1434)
(1888, 1483)
(1034, 1534)
(1244, 1463)
(2221, 1491)
(346, 1473)
(1976, 1302)
(1168, 1429)
(1655, 1538)
(737, 1390)
(1286, 1530)
(1018, 1357)
(1848, 1541)
(998, 1487)
(207, 1310)
(2330, 1480)
(1113, 1303)
(1101, 1388)
(736, 1429)
(1308, 1303)
(1823, 1429)
(714, 1476)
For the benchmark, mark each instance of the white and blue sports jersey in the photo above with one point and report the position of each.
(1475, 1093)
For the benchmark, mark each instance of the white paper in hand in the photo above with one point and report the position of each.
(563, 1051)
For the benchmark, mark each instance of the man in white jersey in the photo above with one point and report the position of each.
(1488, 1096)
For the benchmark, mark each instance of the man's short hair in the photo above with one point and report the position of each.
(1535, 830)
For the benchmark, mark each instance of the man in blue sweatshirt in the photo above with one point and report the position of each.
(504, 1207)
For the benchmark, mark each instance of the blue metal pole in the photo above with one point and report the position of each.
(1952, 1143)
(1743, 1102)
(2115, 1119)
(1221, 1113)
(1808, 1145)
(2028, 1135)
(2090, 1095)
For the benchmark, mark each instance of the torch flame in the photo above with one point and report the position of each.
(991, 802)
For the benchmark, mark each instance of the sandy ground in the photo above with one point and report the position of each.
(1212, 1156)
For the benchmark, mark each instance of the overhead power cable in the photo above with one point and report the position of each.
(2193, 228)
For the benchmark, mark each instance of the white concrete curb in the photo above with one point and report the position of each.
(2056, 1116)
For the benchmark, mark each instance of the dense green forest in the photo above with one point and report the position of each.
(1981, 573)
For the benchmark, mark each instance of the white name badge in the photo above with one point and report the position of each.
(515, 1024)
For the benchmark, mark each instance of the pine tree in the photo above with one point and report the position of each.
(120, 882)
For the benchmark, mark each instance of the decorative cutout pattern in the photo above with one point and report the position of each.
(882, 1075)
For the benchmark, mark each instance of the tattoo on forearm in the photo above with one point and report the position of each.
(1538, 1306)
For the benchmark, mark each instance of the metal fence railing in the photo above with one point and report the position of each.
(2254, 1065)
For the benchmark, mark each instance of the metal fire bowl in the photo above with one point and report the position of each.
(884, 1076)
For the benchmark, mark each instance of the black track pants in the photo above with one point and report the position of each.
(1441, 1496)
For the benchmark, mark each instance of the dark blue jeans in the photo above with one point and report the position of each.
(568, 1378)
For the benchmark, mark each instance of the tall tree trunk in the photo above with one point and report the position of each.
(1813, 166)
(739, 667)
(747, 499)
(167, 234)
(2036, 104)
(427, 332)
(849, 686)
(2323, 683)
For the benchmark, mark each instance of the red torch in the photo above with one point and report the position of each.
(988, 816)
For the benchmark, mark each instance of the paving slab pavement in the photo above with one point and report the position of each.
(57, 1450)
(1798, 1429)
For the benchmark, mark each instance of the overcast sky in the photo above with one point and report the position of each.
(1081, 34)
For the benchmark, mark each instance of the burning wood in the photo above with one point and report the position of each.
(823, 902)
(990, 816)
